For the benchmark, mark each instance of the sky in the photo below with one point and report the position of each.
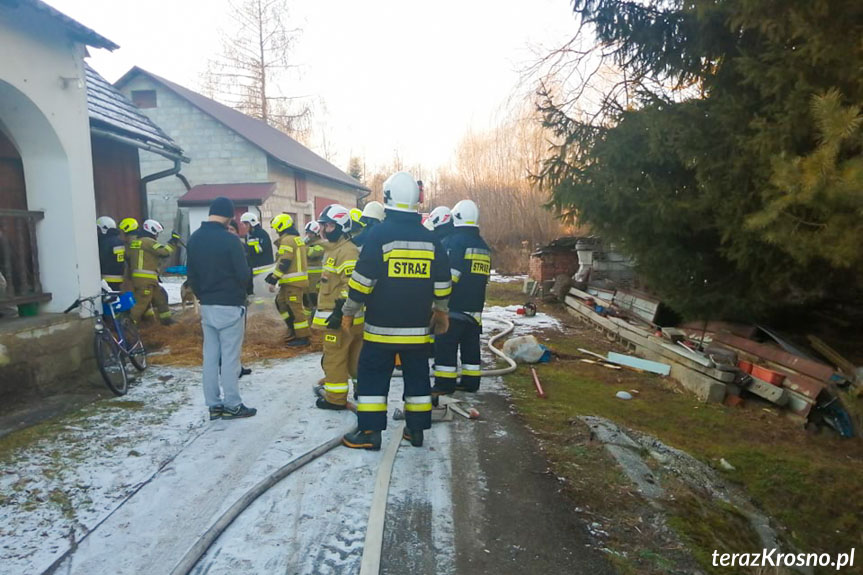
(387, 77)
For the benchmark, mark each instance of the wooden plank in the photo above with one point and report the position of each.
(638, 363)
(802, 365)
(584, 295)
(641, 305)
(843, 364)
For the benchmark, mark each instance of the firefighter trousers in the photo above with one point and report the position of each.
(149, 292)
(373, 384)
(289, 302)
(463, 336)
(340, 359)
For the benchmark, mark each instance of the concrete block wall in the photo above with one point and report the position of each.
(218, 155)
(284, 198)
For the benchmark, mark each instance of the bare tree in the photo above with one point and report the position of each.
(255, 63)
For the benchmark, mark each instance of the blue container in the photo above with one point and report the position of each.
(125, 302)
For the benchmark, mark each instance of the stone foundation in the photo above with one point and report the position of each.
(46, 355)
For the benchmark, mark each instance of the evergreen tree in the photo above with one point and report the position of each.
(731, 165)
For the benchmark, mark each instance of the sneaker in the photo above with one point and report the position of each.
(238, 412)
(322, 403)
(216, 412)
(415, 436)
(298, 342)
(360, 439)
(245, 371)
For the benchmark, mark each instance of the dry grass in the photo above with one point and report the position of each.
(265, 332)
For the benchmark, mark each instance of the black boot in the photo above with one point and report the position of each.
(360, 439)
(415, 436)
(298, 342)
(322, 403)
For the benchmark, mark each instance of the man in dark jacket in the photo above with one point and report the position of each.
(218, 274)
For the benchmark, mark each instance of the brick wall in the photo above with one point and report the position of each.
(546, 266)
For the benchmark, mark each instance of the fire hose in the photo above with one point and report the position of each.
(374, 535)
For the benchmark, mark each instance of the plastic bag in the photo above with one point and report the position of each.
(524, 349)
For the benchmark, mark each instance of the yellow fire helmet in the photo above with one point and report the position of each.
(128, 225)
(282, 222)
(356, 214)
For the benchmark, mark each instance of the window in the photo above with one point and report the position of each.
(302, 194)
(144, 98)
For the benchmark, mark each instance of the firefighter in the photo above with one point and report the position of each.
(259, 248)
(341, 348)
(372, 215)
(144, 254)
(292, 277)
(470, 266)
(441, 219)
(401, 274)
(315, 253)
(112, 253)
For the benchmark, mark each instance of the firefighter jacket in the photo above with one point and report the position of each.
(339, 262)
(401, 272)
(470, 266)
(112, 256)
(361, 235)
(291, 268)
(443, 232)
(260, 250)
(143, 255)
(315, 254)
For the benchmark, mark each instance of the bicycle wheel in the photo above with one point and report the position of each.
(134, 343)
(109, 358)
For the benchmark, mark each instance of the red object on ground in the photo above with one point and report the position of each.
(536, 383)
(520, 311)
(474, 414)
(745, 366)
(768, 375)
(733, 401)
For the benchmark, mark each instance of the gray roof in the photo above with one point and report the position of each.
(275, 143)
(111, 110)
(76, 30)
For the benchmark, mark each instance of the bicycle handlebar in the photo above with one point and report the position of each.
(107, 297)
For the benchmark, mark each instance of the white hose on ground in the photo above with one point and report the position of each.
(372, 550)
(492, 372)
(194, 554)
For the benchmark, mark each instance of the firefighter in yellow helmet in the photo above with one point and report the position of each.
(341, 348)
(315, 252)
(291, 275)
(144, 254)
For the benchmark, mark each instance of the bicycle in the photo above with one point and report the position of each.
(115, 340)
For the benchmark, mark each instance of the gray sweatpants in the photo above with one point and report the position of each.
(224, 327)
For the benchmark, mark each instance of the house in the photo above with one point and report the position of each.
(233, 155)
(68, 144)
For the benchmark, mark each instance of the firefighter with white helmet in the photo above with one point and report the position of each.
(144, 254)
(441, 219)
(402, 274)
(291, 275)
(470, 266)
(341, 348)
(259, 250)
(112, 253)
(372, 215)
(315, 252)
